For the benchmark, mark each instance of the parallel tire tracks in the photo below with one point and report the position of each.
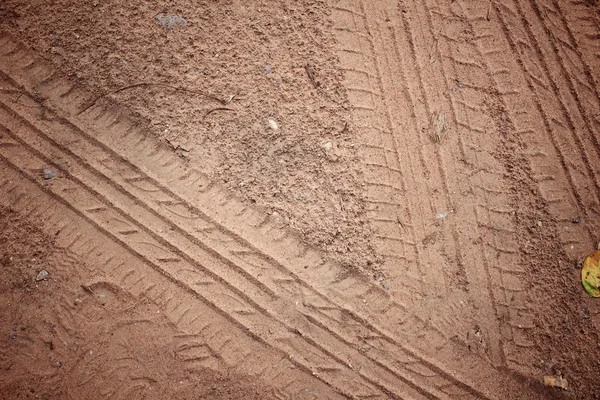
(577, 25)
(175, 253)
(24, 191)
(572, 189)
(567, 153)
(407, 62)
(377, 44)
(210, 246)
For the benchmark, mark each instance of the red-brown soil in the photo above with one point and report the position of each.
(309, 199)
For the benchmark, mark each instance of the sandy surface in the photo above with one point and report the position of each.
(70, 340)
(254, 57)
(304, 199)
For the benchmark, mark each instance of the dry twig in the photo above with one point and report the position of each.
(311, 76)
(218, 109)
(143, 84)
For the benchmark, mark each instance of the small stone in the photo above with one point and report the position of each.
(13, 336)
(268, 69)
(42, 276)
(575, 220)
(48, 174)
(331, 150)
(273, 125)
(385, 287)
(58, 364)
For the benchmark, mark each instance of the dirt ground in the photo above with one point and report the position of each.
(257, 55)
(299, 199)
(70, 340)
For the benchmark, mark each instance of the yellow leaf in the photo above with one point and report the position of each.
(590, 274)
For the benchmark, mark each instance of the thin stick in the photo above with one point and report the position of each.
(218, 109)
(142, 84)
(20, 92)
(311, 76)
(400, 223)
(91, 292)
(345, 128)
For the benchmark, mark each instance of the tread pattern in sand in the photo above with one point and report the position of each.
(184, 306)
(407, 63)
(195, 271)
(577, 27)
(142, 199)
(546, 122)
(413, 85)
(543, 125)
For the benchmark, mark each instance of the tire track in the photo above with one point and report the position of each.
(583, 28)
(559, 125)
(359, 28)
(393, 222)
(556, 45)
(413, 367)
(246, 305)
(503, 248)
(504, 251)
(143, 165)
(435, 74)
(501, 236)
(434, 187)
(27, 195)
(524, 119)
(388, 217)
(564, 37)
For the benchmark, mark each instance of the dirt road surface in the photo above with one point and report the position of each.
(298, 199)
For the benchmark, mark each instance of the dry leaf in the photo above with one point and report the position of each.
(590, 274)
